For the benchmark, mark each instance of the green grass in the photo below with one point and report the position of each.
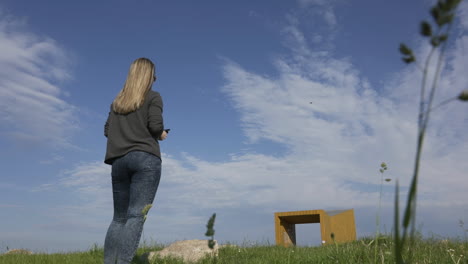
(361, 251)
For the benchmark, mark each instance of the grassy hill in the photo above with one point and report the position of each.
(435, 251)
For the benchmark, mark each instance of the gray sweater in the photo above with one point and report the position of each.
(138, 130)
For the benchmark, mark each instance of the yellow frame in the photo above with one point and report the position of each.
(340, 223)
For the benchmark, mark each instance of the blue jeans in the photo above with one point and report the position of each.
(135, 179)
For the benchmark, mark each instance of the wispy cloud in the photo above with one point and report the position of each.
(325, 111)
(463, 13)
(325, 8)
(315, 22)
(33, 110)
(91, 181)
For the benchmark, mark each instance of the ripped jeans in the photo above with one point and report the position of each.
(135, 179)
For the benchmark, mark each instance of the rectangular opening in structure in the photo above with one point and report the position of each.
(308, 235)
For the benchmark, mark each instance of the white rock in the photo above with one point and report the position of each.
(188, 250)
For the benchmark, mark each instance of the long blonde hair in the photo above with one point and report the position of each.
(140, 78)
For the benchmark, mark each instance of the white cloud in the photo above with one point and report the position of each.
(33, 67)
(463, 14)
(54, 159)
(325, 8)
(315, 22)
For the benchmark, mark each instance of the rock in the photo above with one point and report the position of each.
(18, 251)
(188, 250)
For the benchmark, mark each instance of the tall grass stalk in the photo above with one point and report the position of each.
(383, 168)
(443, 14)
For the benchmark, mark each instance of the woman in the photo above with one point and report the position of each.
(133, 128)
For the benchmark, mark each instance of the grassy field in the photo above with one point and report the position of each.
(361, 251)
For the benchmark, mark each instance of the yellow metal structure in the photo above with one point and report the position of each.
(335, 226)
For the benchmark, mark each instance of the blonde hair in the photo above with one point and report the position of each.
(140, 78)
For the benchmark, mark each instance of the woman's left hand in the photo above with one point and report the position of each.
(163, 135)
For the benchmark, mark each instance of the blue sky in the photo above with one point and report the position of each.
(237, 79)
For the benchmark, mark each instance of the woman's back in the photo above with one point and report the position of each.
(137, 130)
